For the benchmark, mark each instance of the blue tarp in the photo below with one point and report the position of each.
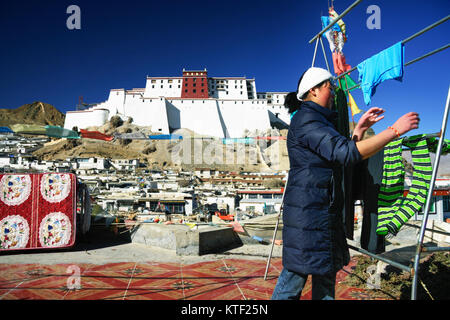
(166, 137)
(5, 130)
(238, 140)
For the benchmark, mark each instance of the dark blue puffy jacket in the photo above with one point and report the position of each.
(313, 232)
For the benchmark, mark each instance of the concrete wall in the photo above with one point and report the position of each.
(185, 241)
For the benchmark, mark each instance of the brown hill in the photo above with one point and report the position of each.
(39, 113)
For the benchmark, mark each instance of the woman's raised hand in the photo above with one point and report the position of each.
(407, 122)
(368, 119)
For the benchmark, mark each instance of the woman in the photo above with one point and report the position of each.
(313, 233)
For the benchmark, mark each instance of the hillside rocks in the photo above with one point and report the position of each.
(39, 113)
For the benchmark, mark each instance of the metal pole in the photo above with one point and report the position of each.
(354, 4)
(391, 262)
(430, 194)
(324, 54)
(433, 249)
(315, 52)
(427, 54)
(276, 229)
(426, 29)
(431, 230)
(346, 72)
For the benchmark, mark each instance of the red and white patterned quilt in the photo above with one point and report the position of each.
(37, 211)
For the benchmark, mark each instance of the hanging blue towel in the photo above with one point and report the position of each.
(386, 65)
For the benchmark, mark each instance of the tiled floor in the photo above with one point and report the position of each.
(223, 279)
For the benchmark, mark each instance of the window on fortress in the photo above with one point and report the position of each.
(170, 81)
(161, 86)
(194, 91)
(179, 86)
(194, 84)
(185, 85)
(185, 90)
(153, 81)
(153, 86)
(170, 86)
(203, 90)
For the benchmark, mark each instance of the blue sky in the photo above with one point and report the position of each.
(121, 42)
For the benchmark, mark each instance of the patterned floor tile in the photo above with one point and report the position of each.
(200, 283)
(96, 294)
(224, 291)
(117, 268)
(154, 294)
(222, 279)
(208, 265)
(34, 294)
(106, 281)
(149, 266)
(207, 275)
(156, 284)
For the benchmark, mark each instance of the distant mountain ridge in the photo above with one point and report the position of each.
(38, 112)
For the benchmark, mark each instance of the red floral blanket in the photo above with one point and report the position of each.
(37, 211)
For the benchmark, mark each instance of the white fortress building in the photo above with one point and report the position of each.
(223, 107)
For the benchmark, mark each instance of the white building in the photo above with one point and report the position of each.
(260, 201)
(221, 107)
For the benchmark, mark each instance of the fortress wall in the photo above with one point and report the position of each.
(281, 111)
(86, 118)
(147, 112)
(116, 101)
(199, 115)
(245, 114)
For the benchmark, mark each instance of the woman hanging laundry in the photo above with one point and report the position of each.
(313, 234)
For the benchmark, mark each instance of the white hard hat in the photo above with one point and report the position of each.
(312, 77)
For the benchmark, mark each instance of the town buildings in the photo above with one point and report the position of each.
(126, 185)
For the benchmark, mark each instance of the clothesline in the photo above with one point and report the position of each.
(409, 39)
(405, 65)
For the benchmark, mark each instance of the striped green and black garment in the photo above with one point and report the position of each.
(394, 210)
